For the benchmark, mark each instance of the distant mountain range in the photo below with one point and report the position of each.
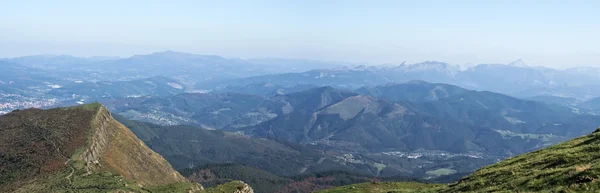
(400, 117)
(209, 72)
(515, 80)
(184, 66)
(467, 121)
(90, 91)
(287, 119)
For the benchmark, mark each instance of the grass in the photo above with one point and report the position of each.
(226, 188)
(175, 187)
(98, 183)
(80, 182)
(379, 187)
(441, 172)
(35, 143)
(570, 166)
(379, 166)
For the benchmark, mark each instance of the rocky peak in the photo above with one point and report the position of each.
(518, 63)
(243, 188)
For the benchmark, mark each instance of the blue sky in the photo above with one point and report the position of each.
(548, 33)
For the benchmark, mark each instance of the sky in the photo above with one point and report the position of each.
(542, 33)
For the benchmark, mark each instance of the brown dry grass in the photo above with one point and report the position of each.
(34, 142)
(582, 168)
(129, 156)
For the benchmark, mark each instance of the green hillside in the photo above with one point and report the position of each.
(569, 166)
(214, 174)
(572, 166)
(233, 186)
(378, 187)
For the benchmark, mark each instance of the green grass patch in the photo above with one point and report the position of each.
(380, 187)
(225, 188)
(441, 172)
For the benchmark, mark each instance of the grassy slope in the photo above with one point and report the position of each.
(226, 188)
(572, 166)
(35, 143)
(41, 153)
(376, 187)
(214, 174)
(262, 181)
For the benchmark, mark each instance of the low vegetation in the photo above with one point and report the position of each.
(214, 174)
(35, 143)
(570, 166)
(233, 186)
(377, 187)
(261, 181)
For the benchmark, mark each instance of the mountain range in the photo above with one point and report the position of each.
(435, 116)
(414, 129)
(462, 123)
(47, 80)
(515, 80)
(209, 72)
(291, 125)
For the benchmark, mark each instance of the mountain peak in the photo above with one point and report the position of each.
(432, 65)
(171, 53)
(178, 55)
(319, 97)
(518, 63)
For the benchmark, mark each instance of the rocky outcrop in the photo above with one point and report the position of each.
(113, 147)
(243, 188)
(98, 142)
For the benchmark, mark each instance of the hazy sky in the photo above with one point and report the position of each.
(549, 33)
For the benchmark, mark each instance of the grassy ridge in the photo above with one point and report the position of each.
(43, 151)
(570, 166)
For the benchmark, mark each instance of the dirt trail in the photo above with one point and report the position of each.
(72, 170)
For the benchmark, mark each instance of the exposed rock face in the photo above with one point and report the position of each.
(98, 143)
(111, 146)
(244, 188)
